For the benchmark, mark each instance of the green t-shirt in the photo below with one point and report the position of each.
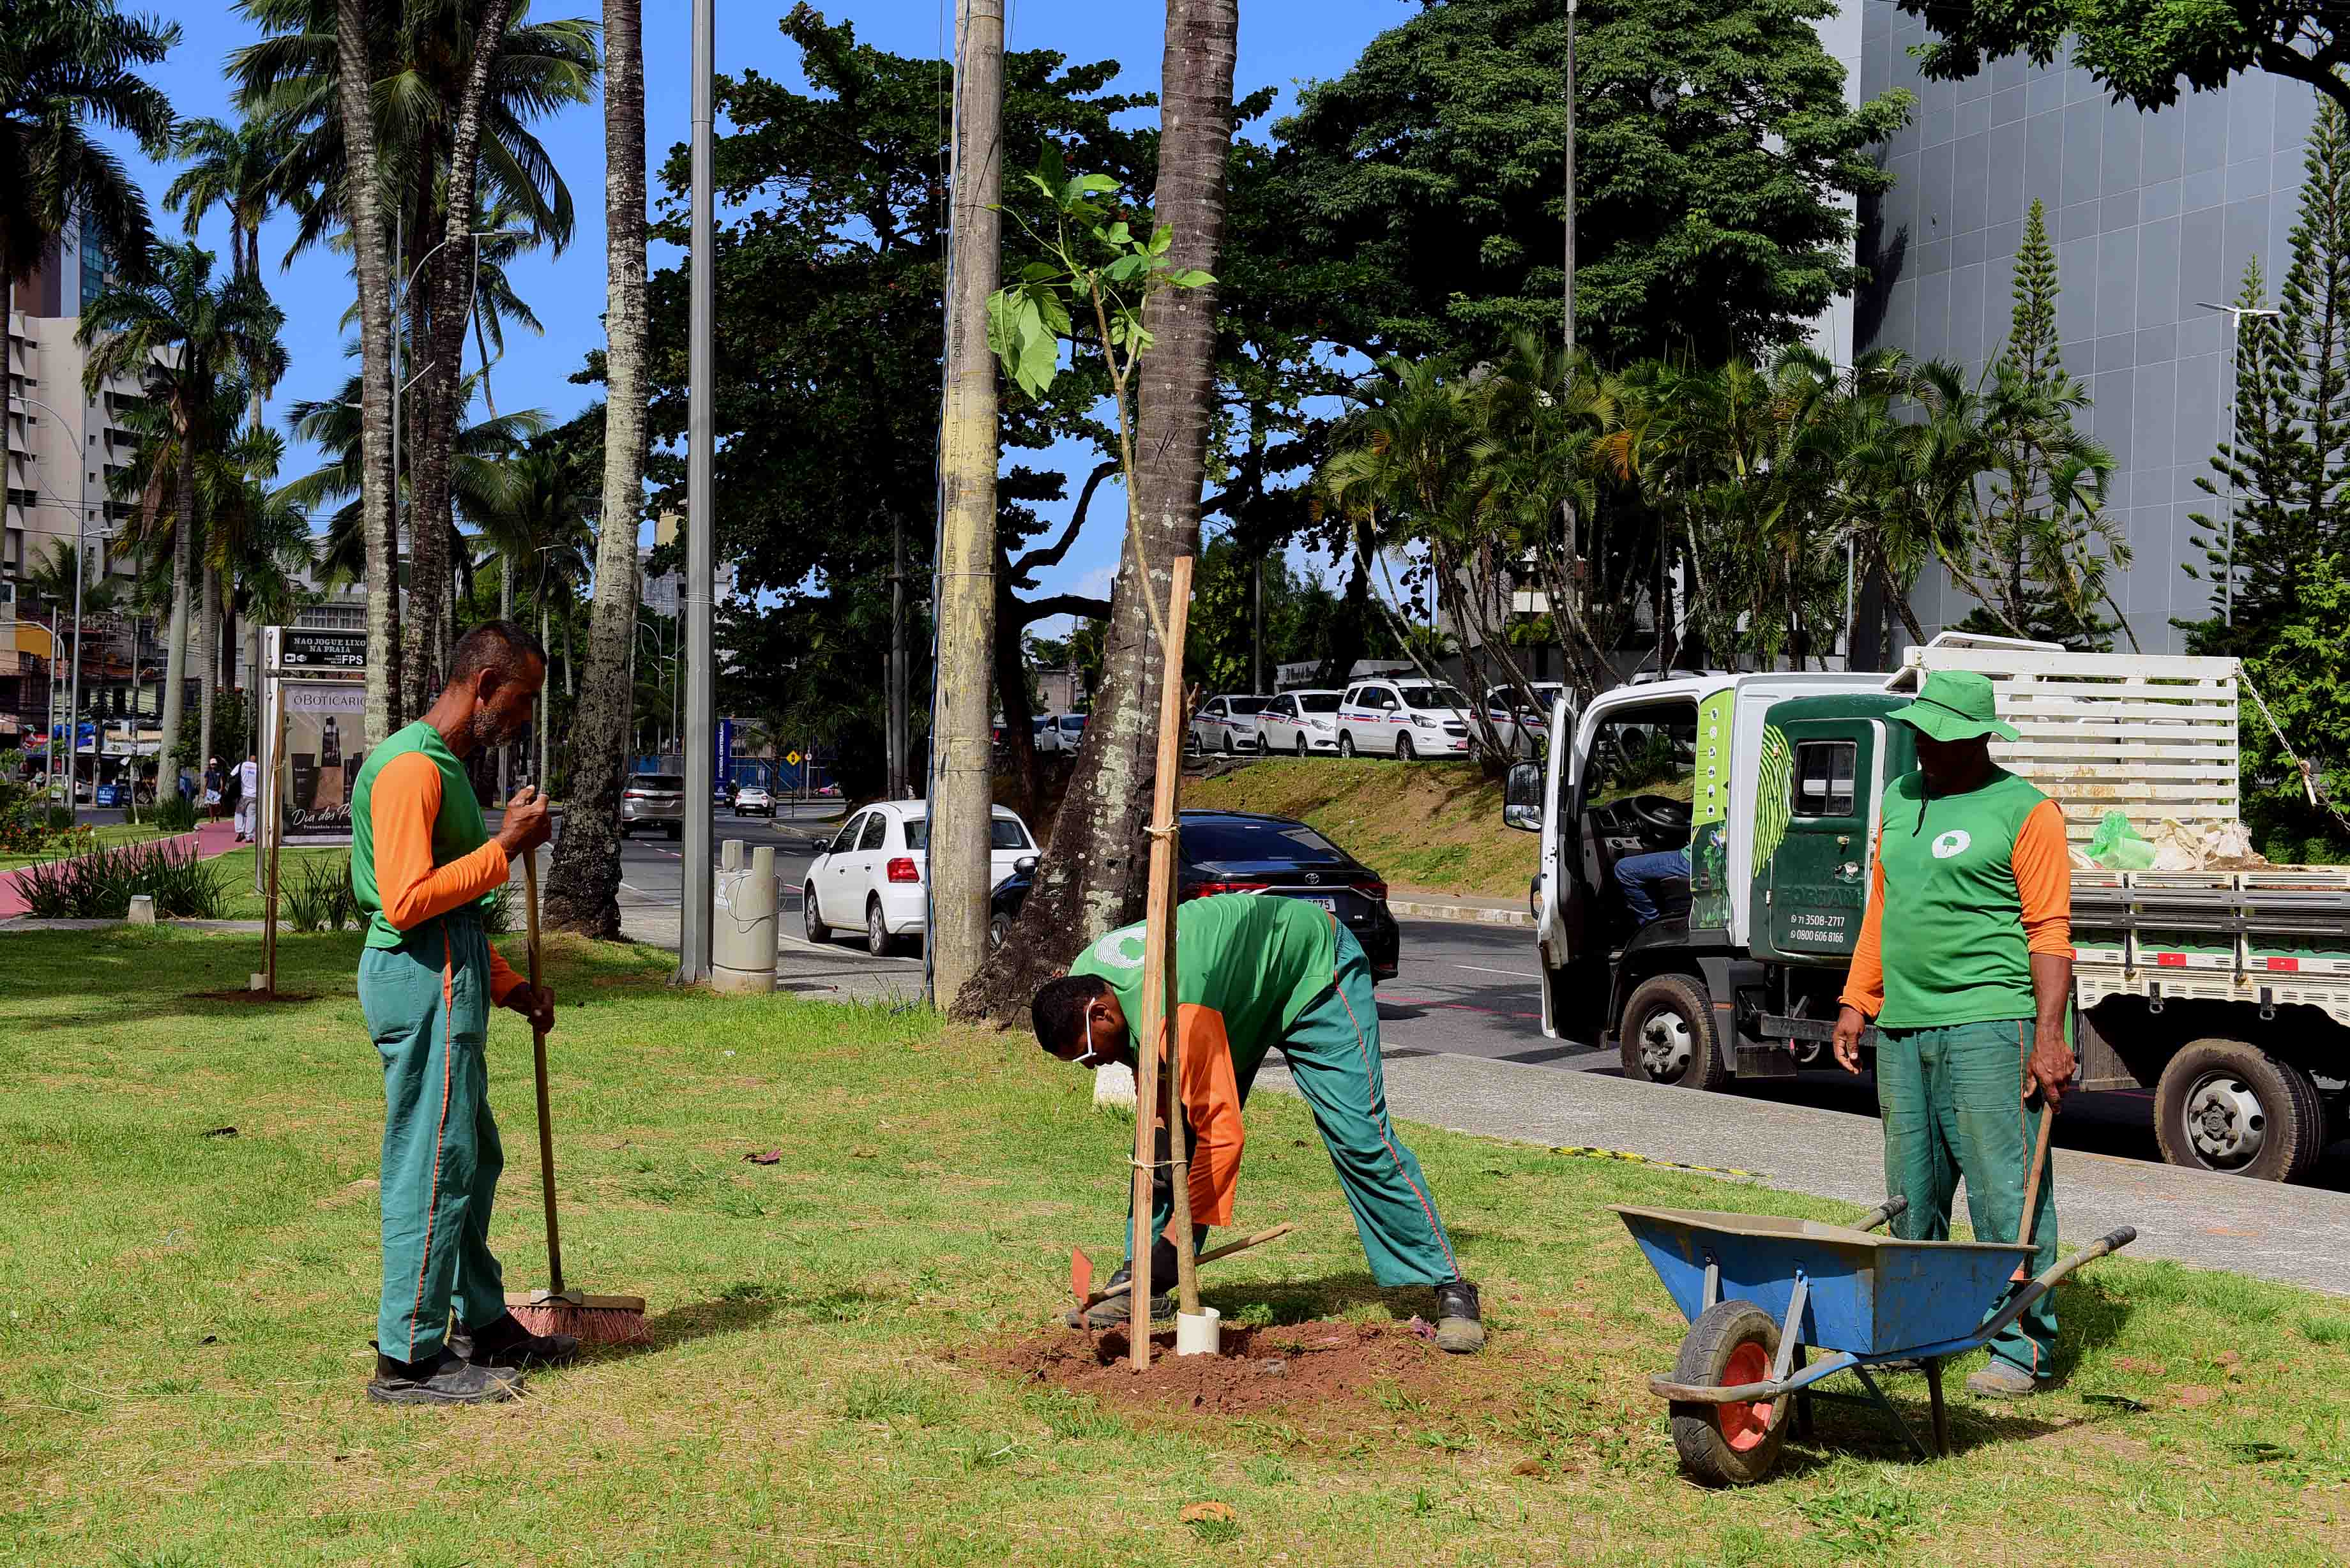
(457, 831)
(1257, 961)
(1953, 940)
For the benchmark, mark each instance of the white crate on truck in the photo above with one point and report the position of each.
(2151, 736)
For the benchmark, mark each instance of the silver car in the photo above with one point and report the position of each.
(653, 800)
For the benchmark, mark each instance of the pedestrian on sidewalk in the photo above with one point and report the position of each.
(214, 783)
(424, 868)
(248, 796)
(1973, 873)
(1254, 973)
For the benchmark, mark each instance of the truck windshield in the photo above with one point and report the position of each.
(1643, 750)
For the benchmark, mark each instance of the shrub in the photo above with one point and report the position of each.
(321, 898)
(498, 916)
(175, 813)
(101, 886)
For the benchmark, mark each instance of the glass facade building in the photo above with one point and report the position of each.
(2150, 215)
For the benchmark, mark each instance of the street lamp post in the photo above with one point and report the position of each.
(2235, 314)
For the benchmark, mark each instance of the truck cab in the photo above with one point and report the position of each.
(2203, 986)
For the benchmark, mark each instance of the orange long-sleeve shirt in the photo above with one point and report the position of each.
(2043, 869)
(405, 804)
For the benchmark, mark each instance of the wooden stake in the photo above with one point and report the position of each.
(1152, 1033)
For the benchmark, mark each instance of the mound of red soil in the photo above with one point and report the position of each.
(1260, 1369)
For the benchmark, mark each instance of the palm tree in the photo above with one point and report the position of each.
(64, 64)
(484, 482)
(541, 537)
(54, 577)
(183, 336)
(452, 85)
(583, 882)
(257, 540)
(235, 169)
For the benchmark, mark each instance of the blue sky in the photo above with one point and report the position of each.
(1281, 44)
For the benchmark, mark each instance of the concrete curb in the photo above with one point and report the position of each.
(1461, 914)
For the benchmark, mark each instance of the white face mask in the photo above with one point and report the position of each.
(1093, 1056)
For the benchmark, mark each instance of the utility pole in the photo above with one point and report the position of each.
(1256, 625)
(900, 737)
(1569, 557)
(694, 958)
(2235, 314)
(961, 770)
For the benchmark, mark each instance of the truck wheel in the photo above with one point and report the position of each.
(2224, 1104)
(1728, 1445)
(1668, 1035)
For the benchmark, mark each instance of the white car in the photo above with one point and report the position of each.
(876, 872)
(1300, 721)
(1403, 719)
(1060, 731)
(752, 800)
(1227, 724)
(1525, 734)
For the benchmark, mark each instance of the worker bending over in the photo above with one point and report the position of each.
(1969, 996)
(424, 868)
(1253, 973)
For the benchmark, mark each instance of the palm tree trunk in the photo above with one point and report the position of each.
(448, 300)
(208, 664)
(505, 612)
(1093, 878)
(382, 519)
(583, 888)
(175, 658)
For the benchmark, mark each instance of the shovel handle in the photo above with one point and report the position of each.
(1226, 1251)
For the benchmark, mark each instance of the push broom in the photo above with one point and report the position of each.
(595, 1320)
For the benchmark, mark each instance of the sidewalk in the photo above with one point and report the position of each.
(209, 840)
(1466, 908)
(2297, 1235)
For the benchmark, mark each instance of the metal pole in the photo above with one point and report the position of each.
(693, 956)
(2235, 315)
(73, 715)
(898, 682)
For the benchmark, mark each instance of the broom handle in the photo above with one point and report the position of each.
(539, 1062)
(2032, 1182)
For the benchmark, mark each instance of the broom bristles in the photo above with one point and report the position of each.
(599, 1320)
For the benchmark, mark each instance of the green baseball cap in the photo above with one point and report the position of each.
(1955, 705)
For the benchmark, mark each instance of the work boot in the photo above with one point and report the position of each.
(1460, 1326)
(443, 1378)
(1117, 1312)
(507, 1343)
(2003, 1379)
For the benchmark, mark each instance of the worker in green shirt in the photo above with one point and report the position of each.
(1253, 973)
(424, 866)
(1972, 874)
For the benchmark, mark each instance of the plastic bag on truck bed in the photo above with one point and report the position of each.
(2118, 847)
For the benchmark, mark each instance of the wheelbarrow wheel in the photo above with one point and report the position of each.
(1729, 1445)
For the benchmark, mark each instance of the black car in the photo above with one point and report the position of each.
(1240, 851)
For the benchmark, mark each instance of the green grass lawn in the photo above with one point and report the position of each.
(236, 868)
(186, 1318)
(109, 834)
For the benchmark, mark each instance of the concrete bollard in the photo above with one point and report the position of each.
(743, 929)
(142, 908)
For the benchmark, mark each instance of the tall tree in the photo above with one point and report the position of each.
(1094, 876)
(66, 65)
(2144, 50)
(181, 335)
(584, 887)
(1713, 146)
(2038, 560)
(233, 168)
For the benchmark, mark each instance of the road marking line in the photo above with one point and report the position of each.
(1481, 968)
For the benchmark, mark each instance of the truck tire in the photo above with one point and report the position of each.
(2226, 1106)
(1731, 1342)
(1667, 1035)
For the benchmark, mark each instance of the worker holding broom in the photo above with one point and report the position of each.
(424, 868)
(1965, 960)
(1254, 973)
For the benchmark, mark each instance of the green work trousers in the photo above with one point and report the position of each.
(1333, 1055)
(1952, 1103)
(426, 1003)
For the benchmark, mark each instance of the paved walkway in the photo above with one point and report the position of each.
(2298, 1235)
(209, 838)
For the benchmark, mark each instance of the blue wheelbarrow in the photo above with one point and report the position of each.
(1761, 1292)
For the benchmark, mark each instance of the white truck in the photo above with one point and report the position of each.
(2225, 989)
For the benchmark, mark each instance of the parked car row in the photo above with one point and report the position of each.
(1400, 718)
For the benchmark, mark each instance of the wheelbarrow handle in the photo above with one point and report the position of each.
(1885, 1213)
(2112, 1240)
